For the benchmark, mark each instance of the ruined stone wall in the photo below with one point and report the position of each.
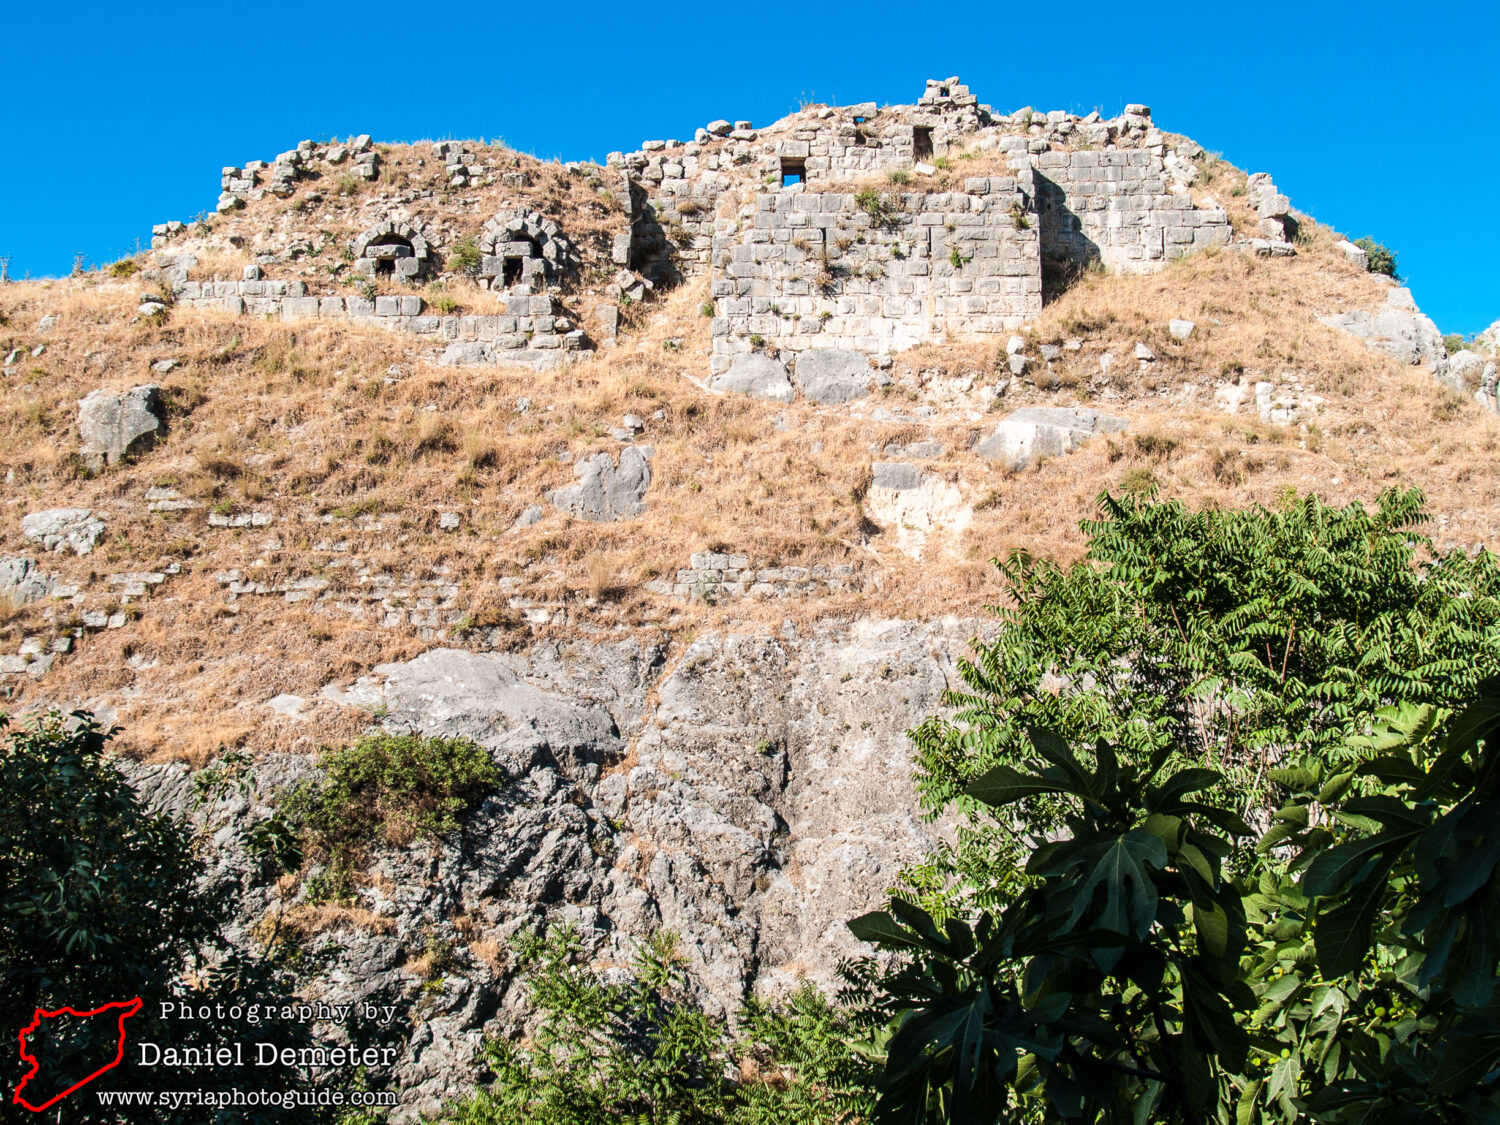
(876, 274)
(1118, 207)
(532, 332)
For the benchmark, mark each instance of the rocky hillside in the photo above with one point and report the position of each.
(673, 482)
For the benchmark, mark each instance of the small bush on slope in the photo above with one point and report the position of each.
(636, 1048)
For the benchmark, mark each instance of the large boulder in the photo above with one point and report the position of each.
(1399, 330)
(829, 376)
(605, 492)
(756, 375)
(110, 426)
(1046, 431)
(64, 529)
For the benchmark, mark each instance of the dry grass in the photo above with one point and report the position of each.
(299, 421)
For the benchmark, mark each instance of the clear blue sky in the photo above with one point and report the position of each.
(1378, 117)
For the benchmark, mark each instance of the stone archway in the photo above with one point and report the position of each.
(392, 249)
(524, 248)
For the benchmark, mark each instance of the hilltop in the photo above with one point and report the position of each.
(398, 431)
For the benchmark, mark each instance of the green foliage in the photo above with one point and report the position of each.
(1453, 342)
(125, 267)
(956, 259)
(465, 257)
(879, 205)
(444, 302)
(1382, 258)
(1108, 989)
(1349, 975)
(394, 786)
(638, 1049)
(1235, 638)
(102, 900)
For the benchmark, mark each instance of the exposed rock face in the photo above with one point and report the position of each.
(1046, 431)
(830, 377)
(751, 792)
(110, 426)
(64, 529)
(1472, 373)
(21, 582)
(913, 504)
(604, 492)
(756, 375)
(1398, 330)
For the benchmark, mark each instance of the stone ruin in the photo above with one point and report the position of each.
(392, 249)
(524, 248)
(815, 261)
(821, 232)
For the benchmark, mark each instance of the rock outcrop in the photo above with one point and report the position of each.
(829, 377)
(756, 375)
(1045, 431)
(751, 792)
(1399, 330)
(605, 492)
(111, 426)
(64, 529)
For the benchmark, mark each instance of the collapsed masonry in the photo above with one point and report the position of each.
(816, 232)
(811, 261)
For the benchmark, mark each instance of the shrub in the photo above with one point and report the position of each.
(899, 176)
(396, 787)
(465, 257)
(1382, 258)
(642, 1049)
(1453, 342)
(125, 267)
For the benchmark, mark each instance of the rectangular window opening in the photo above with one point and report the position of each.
(921, 142)
(793, 171)
(514, 267)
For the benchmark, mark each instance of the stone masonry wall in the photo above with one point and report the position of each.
(532, 332)
(1118, 207)
(828, 270)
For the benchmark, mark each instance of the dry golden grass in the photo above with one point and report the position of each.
(299, 421)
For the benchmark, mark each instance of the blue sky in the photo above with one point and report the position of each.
(1378, 118)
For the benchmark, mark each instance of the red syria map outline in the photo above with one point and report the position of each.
(131, 1007)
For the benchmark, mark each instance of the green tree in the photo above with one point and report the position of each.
(1231, 853)
(1233, 638)
(1348, 976)
(102, 900)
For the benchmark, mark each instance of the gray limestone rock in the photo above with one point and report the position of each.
(1357, 255)
(1046, 431)
(64, 529)
(110, 426)
(895, 475)
(829, 377)
(1398, 330)
(21, 582)
(604, 492)
(1180, 329)
(757, 375)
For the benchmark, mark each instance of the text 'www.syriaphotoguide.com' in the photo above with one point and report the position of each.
(223, 1099)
